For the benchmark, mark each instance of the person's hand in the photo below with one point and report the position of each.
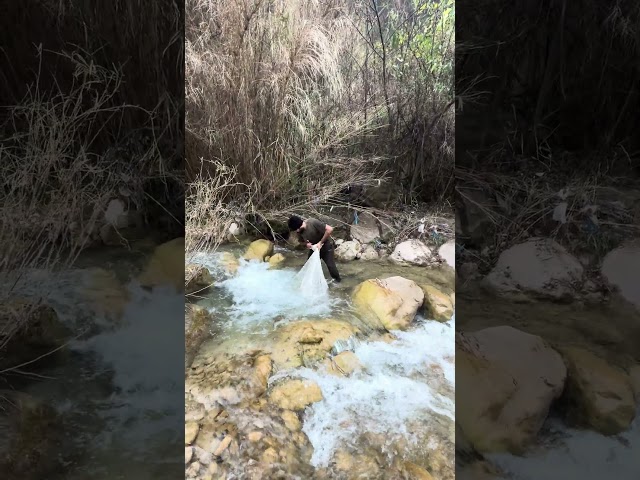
(318, 245)
(309, 246)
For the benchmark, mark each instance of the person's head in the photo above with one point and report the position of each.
(295, 223)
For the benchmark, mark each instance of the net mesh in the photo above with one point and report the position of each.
(310, 278)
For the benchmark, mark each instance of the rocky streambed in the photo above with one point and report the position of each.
(358, 384)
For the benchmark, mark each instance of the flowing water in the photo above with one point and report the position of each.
(398, 407)
(569, 453)
(564, 452)
(118, 385)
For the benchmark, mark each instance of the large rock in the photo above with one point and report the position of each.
(198, 278)
(506, 381)
(166, 266)
(598, 395)
(447, 252)
(369, 253)
(620, 269)
(391, 303)
(413, 252)
(437, 305)
(295, 394)
(259, 249)
(348, 251)
(540, 266)
(308, 342)
(366, 230)
(276, 260)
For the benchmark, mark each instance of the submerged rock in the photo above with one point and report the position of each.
(295, 394)
(413, 252)
(258, 250)
(348, 251)
(344, 363)
(597, 395)
(437, 305)
(391, 303)
(230, 263)
(166, 266)
(198, 278)
(308, 342)
(105, 293)
(540, 266)
(506, 380)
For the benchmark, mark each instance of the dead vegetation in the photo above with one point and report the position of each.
(545, 122)
(293, 102)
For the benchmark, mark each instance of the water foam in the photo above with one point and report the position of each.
(577, 454)
(261, 294)
(392, 391)
(147, 367)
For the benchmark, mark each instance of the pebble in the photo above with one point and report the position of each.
(254, 436)
(223, 445)
(190, 432)
(188, 454)
(270, 455)
(193, 470)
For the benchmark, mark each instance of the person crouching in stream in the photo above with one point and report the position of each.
(316, 234)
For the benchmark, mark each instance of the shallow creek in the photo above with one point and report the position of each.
(393, 414)
(564, 452)
(118, 384)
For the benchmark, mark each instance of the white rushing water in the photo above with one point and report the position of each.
(123, 388)
(147, 367)
(581, 454)
(401, 382)
(260, 295)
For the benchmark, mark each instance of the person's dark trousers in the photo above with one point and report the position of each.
(326, 254)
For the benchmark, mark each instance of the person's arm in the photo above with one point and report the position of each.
(328, 230)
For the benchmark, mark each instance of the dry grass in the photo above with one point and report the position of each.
(296, 99)
(86, 118)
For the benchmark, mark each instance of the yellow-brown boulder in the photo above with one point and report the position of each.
(391, 303)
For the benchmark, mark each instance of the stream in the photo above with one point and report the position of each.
(117, 386)
(397, 408)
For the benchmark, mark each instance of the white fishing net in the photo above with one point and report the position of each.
(310, 279)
